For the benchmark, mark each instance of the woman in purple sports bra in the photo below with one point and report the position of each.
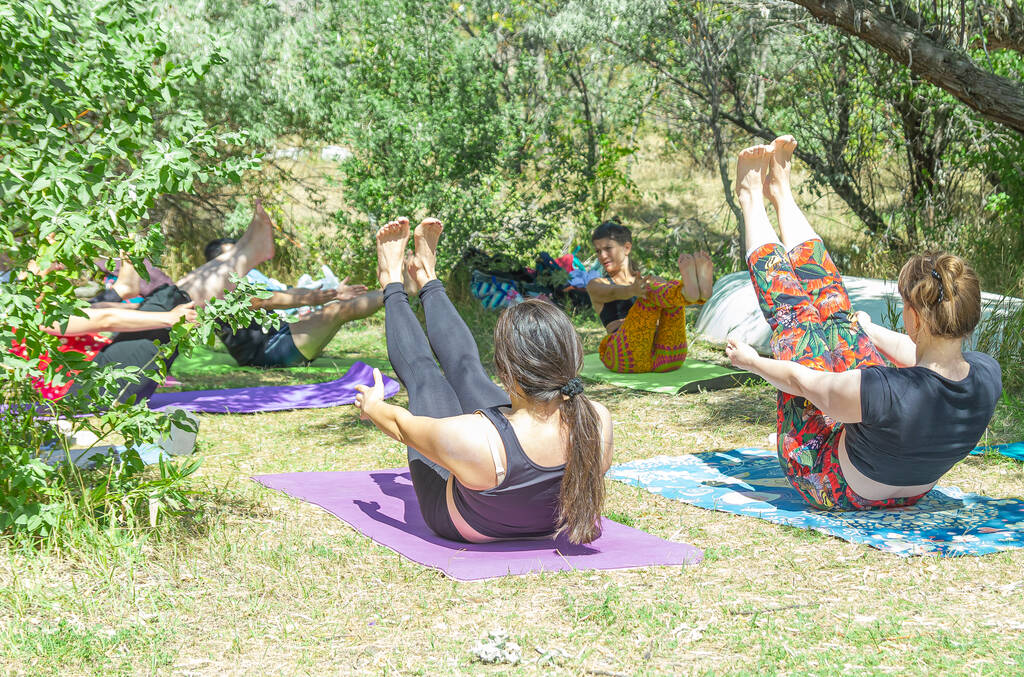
(486, 463)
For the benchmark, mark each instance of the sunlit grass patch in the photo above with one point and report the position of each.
(257, 582)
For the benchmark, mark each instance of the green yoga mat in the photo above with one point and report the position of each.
(208, 361)
(694, 375)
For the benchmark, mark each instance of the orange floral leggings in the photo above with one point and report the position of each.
(652, 337)
(803, 297)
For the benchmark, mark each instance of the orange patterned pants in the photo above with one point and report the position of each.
(802, 295)
(652, 337)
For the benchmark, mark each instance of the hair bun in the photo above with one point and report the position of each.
(944, 290)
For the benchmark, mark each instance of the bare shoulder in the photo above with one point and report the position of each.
(467, 428)
(469, 439)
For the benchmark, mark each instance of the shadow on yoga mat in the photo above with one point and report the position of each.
(946, 522)
(694, 375)
(275, 398)
(381, 504)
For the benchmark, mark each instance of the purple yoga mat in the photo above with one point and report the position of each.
(381, 504)
(275, 398)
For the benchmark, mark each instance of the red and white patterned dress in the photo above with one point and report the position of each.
(88, 345)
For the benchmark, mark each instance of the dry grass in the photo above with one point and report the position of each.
(261, 583)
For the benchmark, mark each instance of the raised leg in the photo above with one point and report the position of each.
(312, 334)
(640, 345)
(705, 274)
(688, 276)
(129, 282)
(670, 346)
(751, 172)
(849, 346)
(413, 364)
(212, 279)
(630, 348)
(670, 294)
(450, 338)
(792, 223)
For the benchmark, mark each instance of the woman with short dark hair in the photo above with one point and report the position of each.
(645, 316)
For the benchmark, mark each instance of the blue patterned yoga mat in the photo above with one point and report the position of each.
(1014, 450)
(749, 481)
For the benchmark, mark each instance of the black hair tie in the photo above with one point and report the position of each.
(942, 289)
(572, 388)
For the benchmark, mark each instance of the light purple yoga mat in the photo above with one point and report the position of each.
(275, 398)
(381, 504)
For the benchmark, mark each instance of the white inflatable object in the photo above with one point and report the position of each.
(732, 310)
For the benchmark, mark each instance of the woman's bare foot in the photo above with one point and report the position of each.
(705, 273)
(688, 275)
(258, 238)
(425, 240)
(751, 173)
(417, 276)
(391, 241)
(780, 159)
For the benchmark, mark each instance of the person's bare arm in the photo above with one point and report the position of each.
(295, 297)
(607, 440)
(836, 394)
(602, 290)
(114, 304)
(898, 348)
(124, 319)
(458, 443)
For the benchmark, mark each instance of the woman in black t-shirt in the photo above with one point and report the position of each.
(852, 432)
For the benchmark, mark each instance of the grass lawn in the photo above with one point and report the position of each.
(258, 583)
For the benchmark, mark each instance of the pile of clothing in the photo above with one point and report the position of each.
(497, 281)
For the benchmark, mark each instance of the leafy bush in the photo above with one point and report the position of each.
(91, 137)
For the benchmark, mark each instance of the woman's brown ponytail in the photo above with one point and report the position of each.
(582, 494)
(538, 353)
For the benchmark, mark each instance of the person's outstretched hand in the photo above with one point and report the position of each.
(370, 396)
(347, 291)
(317, 297)
(186, 311)
(740, 354)
(863, 319)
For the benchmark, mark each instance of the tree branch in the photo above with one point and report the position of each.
(995, 97)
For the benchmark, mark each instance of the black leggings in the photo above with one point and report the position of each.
(463, 388)
(139, 349)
